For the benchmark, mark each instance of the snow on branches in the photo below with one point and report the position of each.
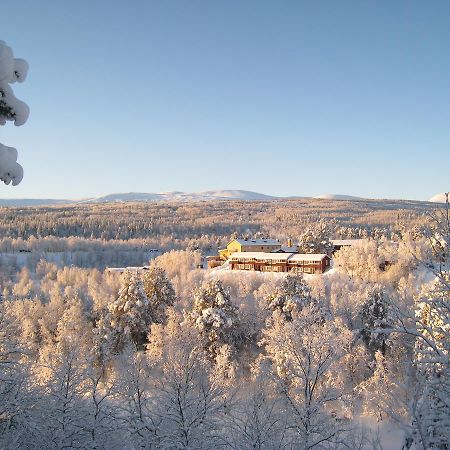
(305, 353)
(12, 70)
(127, 319)
(141, 301)
(215, 316)
(316, 239)
(293, 294)
(376, 316)
(431, 353)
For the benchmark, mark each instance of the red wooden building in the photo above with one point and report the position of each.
(280, 262)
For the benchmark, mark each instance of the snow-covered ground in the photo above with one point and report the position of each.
(391, 436)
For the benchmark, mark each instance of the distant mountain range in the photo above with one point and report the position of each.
(33, 201)
(177, 196)
(145, 197)
(182, 196)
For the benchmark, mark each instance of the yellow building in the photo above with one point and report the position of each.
(249, 245)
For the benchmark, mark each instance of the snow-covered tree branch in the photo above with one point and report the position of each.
(12, 70)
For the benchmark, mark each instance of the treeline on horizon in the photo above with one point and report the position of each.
(200, 225)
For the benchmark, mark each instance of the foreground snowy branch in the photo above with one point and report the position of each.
(12, 70)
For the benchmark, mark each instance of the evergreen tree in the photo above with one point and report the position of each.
(159, 291)
(375, 315)
(293, 294)
(215, 316)
(127, 319)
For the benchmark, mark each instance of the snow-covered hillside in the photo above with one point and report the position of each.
(438, 198)
(17, 202)
(144, 197)
(337, 197)
(182, 196)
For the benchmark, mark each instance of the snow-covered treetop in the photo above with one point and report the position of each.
(12, 70)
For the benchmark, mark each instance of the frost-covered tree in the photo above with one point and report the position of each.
(391, 391)
(304, 353)
(180, 268)
(126, 320)
(190, 401)
(428, 322)
(376, 316)
(293, 294)
(316, 239)
(61, 373)
(19, 422)
(135, 411)
(99, 423)
(258, 419)
(432, 357)
(439, 234)
(24, 287)
(11, 109)
(159, 291)
(215, 316)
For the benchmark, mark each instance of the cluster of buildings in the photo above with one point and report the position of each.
(269, 255)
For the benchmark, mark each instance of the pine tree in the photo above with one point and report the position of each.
(293, 294)
(215, 316)
(126, 320)
(375, 315)
(159, 291)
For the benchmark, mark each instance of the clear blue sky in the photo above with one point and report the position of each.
(280, 97)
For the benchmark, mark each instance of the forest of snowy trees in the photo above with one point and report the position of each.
(117, 235)
(180, 357)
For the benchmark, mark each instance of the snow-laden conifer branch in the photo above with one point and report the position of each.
(12, 109)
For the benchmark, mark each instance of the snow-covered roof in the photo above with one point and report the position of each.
(258, 241)
(261, 255)
(286, 249)
(308, 257)
(345, 242)
(285, 257)
(129, 269)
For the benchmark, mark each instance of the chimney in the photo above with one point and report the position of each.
(289, 242)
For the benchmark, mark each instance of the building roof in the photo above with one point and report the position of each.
(308, 257)
(278, 256)
(257, 241)
(286, 249)
(345, 242)
(129, 269)
(261, 255)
